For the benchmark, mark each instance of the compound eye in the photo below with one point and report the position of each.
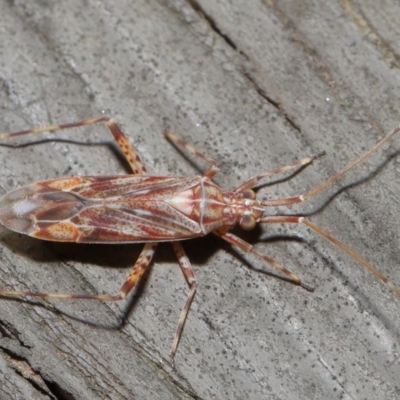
(249, 194)
(248, 222)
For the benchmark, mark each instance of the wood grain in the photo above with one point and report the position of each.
(255, 85)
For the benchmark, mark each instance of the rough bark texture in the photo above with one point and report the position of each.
(256, 85)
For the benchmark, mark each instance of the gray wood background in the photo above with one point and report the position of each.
(256, 85)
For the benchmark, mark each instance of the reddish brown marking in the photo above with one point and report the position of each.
(143, 209)
(61, 232)
(64, 184)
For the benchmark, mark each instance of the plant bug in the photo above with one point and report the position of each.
(142, 208)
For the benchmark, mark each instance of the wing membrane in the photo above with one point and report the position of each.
(101, 209)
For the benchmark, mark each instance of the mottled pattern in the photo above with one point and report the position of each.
(150, 209)
(116, 209)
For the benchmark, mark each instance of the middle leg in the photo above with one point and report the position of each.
(248, 248)
(342, 246)
(188, 273)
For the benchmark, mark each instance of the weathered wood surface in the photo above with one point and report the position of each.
(254, 84)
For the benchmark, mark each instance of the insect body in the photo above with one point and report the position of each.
(117, 209)
(151, 209)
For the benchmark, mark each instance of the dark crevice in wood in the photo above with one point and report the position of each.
(270, 100)
(214, 26)
(23, 368)
(196, 6)
(8, 331)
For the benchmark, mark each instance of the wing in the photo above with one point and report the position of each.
(110, 209)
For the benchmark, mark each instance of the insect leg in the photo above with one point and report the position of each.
(139, 268)
(342, 246)
(138, 168)
(253, 181)
(129, 152)
(305, 162)
(359, 160)
(334, 178)
(182, 143)
(248, 248)
(137, 272)
(187, 271)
